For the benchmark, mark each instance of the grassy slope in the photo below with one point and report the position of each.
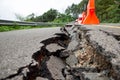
(10, 28)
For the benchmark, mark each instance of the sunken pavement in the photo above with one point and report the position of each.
(77, 53)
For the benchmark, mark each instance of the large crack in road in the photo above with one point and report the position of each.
(38, 67)
(71, 55)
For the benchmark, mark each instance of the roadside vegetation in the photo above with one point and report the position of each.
(10, 28)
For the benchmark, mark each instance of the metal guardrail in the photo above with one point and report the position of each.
(21, 23)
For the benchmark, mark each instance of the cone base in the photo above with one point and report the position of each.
(91, 19)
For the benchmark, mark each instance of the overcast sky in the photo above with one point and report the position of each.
(8, 8)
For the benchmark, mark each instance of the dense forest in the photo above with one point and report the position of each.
(108, 11)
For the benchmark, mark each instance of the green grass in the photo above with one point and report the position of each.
(10, 28)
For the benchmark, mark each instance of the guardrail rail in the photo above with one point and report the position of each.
(23, 23)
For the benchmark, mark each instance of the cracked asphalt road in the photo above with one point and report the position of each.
(17, 47)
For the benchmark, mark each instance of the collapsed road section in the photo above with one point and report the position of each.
(77, 53)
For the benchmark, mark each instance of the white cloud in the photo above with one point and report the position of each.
(8, 8)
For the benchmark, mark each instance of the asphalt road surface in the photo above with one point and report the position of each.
(114, 29)
(17, 47)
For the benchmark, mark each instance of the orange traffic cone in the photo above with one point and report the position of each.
(91, 17)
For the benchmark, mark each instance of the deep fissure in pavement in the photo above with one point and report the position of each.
(87, 57)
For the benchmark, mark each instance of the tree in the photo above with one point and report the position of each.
(63, 18)
(48, 16)
(19, 17)
(108, 10)
(30, 17)
(73, 10)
